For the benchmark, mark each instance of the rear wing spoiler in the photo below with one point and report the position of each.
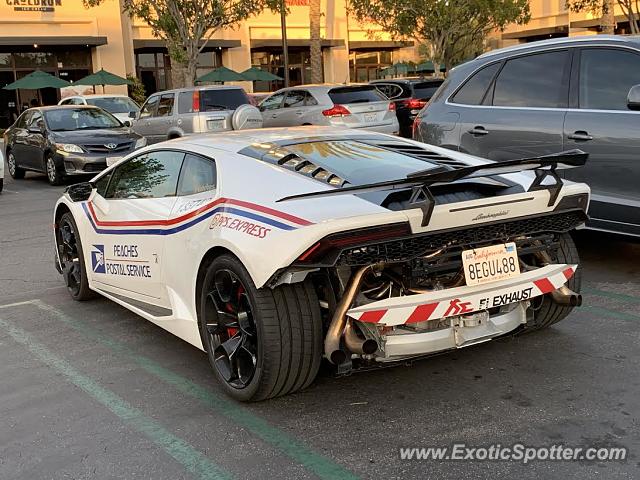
(543, 166)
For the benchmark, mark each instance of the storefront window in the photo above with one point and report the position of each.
(74, 59)
(34, 59)
(5, 60)
(365, 65)
(272, 61)
(146, 60)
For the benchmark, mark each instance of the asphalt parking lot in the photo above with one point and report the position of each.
(91, 391)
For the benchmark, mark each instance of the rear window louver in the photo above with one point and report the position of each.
(422, 153)
(291, 161)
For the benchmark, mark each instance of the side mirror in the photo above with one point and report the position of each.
(133, 114)
(261, 108)
(633, 98)
(127, 123)
(79, 192)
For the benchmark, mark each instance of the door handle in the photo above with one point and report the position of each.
(299, 112)
(580, 136)
(478, 130)
(274, 115)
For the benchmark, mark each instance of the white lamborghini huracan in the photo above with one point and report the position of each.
(271, 249)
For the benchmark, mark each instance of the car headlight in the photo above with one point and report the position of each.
(142, 142)
(69, 148)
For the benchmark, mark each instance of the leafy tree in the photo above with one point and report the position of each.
(450, 28)
(605, 9)
(136, 89)
(184, 23)
(315, 42)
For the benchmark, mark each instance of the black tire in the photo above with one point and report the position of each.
(15, 171)
(53, 171)
(546, 311)
(72, 258)
(287, 324)
(1, 184)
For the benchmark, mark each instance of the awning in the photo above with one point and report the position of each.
(294, 42)
(536, 32)
(378, 45)
(57, 41)
(595, 22)
(158, 43)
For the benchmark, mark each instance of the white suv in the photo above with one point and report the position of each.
(120, 106)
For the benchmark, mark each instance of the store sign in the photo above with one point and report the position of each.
(34, 5)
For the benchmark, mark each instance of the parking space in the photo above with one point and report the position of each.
(90, 390)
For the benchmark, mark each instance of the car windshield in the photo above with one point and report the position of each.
(79, 119)
(359, 163)
(114, 104)
(222, 99)
(364, 94)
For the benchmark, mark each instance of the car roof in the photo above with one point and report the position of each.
(66, 107)
(97, 95)
(199, 87)
(408, 80)
(610, 39)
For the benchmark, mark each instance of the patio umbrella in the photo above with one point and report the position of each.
(102, 77)
(222, 74)
(256, 74)
(37, 80)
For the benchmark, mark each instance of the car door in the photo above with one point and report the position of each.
(271, 109)
(129, 218)
(293, 109)
(602, 125)
(142, 124)
(522, 112)
(163, 118)
(35, 141)
(19, 139)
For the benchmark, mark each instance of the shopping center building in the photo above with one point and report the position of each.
(68, 40)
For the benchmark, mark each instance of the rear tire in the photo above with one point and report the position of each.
(16, 172)
(547, 312)
(277, 330)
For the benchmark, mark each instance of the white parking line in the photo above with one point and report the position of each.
(18, 304)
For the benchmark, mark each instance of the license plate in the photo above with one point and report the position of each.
(490, 264)
(370, 117)
(112, 160)
(215, 124)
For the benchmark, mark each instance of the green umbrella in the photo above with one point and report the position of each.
(222, 74)
(102, 77)
(428, 67)
(37, 80)
(256, 74)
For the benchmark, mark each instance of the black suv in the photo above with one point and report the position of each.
(410, 95)
(544, 97)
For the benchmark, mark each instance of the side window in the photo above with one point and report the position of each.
(35, 118)
(310, 100)
(101, 184)
(389, 90)
(272, 102)
(606, 75)
(67, 101)
(198, 175)
(539, 80)
(149, 108)
(152, 175)
(295, 98)
(474, 89)
(22, 120)
(185, 102)
(165, 105)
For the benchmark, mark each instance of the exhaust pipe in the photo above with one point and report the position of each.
(355, 344)
(332, 348)
(565, 296)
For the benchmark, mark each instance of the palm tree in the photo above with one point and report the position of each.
(315, 46)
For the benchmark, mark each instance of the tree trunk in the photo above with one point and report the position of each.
(315, 46)
(608, 20)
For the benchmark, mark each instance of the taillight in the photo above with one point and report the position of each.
(392, 106)
(195, 106)
(336, 111)
(330, 246)
(414, 103)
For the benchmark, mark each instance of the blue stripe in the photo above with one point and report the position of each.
(179, 228)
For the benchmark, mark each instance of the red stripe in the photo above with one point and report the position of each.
(187, 216)
(372, 316)
(422, 313)
(568, 273)
(544, 285)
